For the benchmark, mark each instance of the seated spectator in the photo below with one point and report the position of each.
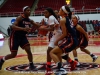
(96, 27)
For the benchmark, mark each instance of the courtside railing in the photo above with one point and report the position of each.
(41, 13)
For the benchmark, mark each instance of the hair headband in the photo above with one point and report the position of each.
(25, 8)
(77, 17)
(63, 8)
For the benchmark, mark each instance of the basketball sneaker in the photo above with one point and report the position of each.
(61, 71)
(94, 58)
(73, 65)
(48, 70)
(32, 67)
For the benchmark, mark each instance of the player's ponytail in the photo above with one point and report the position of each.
(66, 9)
(70, 15)
(50, 10)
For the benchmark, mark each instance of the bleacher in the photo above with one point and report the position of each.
(88, 4)
(15, 5)
(54, 4)
(92, 27)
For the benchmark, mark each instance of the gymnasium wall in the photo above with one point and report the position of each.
(6, 21)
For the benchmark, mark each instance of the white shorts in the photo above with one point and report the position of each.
(53, 39)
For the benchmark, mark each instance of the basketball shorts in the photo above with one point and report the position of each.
(68, 44)
(83, 43)
(16, 41)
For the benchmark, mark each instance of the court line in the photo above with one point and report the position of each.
(21, 55)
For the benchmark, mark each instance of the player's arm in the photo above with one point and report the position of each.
(36, 24)
(16, 27)
(49, 28)
(79, 28)
(50, 25)
(64, 30)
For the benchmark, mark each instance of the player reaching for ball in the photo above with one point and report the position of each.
(18, 37)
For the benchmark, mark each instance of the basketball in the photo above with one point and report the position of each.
(43, 32)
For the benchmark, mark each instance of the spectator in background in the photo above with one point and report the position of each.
(83, 8)
(96, 27)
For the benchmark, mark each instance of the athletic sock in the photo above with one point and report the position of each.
(31, 64)
(92, 55)
(76, 59)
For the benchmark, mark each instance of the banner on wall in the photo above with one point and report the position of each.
(12, 21)
(1, 36)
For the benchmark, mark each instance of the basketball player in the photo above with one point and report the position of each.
(58, 17)
(54, 32)
(82, 38)
(18, 37)
(70, 40)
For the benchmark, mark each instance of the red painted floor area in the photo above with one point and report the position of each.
(44, 42)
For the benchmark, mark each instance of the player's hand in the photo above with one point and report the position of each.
(42, 27)
(27, 29)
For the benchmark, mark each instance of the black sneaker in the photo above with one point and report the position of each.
(1, 63)
(94, 58)
(33, 68)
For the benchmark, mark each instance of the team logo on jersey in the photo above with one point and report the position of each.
(24, 68)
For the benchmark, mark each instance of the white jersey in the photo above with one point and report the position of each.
(57, 31)
(51, 21)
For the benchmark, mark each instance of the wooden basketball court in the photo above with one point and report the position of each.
(39, 47)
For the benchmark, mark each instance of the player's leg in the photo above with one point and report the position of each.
(94, 57)
(25, 45)
(9, 56)
(48, 55)
(54, 55)
(48, 64)
(83, 46)
(68, 46)
(30, 57)
(50, 47)
(13, 45)
(76, 57)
